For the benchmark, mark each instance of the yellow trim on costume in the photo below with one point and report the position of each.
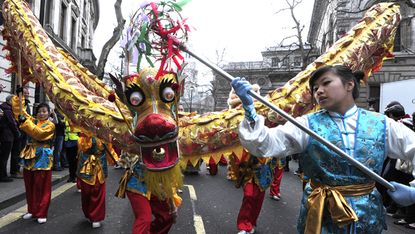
(36, 132)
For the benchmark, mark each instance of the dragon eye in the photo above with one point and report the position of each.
(136, 98)
(167, 94)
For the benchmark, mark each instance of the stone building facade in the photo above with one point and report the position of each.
(70, 24)
(279, 64)
(331, 19)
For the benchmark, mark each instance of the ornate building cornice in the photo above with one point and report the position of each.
(319, 9)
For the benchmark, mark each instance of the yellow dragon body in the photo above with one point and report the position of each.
(83, 98)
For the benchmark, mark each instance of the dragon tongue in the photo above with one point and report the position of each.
(160, 157)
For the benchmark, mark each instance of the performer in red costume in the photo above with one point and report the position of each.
(36, 159)
(92, 171)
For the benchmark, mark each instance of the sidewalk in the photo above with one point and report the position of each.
(14, 192)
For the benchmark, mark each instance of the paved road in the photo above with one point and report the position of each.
(213, 209)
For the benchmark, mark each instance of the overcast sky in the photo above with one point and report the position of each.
(243, 27)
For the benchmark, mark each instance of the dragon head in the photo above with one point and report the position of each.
(154, 102)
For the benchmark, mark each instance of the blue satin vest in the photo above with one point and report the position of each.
(326, 167)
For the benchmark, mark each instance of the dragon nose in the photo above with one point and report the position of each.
(154, 125)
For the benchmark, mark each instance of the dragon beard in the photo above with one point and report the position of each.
(163, 184)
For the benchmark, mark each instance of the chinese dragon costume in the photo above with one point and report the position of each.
(141, 115)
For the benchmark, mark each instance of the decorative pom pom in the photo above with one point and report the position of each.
(111, 97)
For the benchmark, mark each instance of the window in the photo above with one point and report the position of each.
(297, 61)
(275, 62)
(83, 41)
(374, 97)
(84, 14)
(48, 15)
(285, 61)
(397, 45)
(62, 20)
(73, 34)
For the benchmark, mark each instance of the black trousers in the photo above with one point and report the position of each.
(71, 154)
(6, 148)
(15, 156)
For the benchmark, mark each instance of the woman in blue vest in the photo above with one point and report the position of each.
(339, 198)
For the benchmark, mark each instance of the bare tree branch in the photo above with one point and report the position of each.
(116, 34)
(281, 10)
(285, 38)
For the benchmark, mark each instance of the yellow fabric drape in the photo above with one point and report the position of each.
(92, 166)
(84, 143)
(341, 212)
(123, 183)
(29, 152)
(16, 108)
(36, 132)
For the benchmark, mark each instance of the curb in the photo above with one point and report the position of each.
(22, 196)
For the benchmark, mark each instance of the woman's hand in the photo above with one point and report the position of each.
(403, 195)
(241, 87)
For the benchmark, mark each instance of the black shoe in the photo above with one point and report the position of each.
(400, 222)
(391, 210)
(16, 175)
(410, 226)
(57, 169)
(399, 214)
(71, 180)
(6, 179)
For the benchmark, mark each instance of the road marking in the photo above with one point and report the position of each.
(17, 214)
(198, 221)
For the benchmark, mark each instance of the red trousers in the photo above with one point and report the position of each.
(38, 185)
(274, 189)
(213, 167)
(251, 207)
(144, 209)
(93, 200)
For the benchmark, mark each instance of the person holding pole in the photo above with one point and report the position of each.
(339, 197)
(36, 159)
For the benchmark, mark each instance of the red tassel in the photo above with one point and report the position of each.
(9, 57)
(11, 69)
(6, 47)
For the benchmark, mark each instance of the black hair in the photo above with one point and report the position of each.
(395, 110)
(345, 73)
(43, 104)
(413, 121)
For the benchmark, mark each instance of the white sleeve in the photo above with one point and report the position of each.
(280, 141)
(400, 142)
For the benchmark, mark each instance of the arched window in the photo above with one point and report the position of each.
(275, 62)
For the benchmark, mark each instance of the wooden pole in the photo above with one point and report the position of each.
(20, 80)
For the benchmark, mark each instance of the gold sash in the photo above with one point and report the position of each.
(29, 152)
(92, 166)
(341, 212)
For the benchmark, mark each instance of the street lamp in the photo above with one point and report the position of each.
(191, 97)
(122, 56)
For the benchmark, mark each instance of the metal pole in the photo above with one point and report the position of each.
(288, 117)
(191, 99)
